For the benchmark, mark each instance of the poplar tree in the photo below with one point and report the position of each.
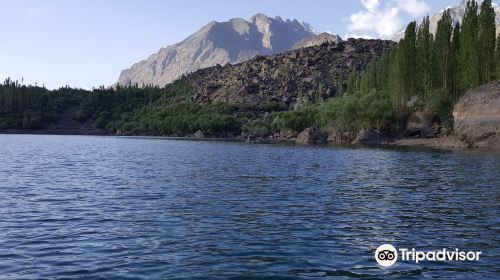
(340, 85)
(424, 58)
(454, 64)
(469, 52)
(487, 33)
(407, 62)
(351, 83)
(442, 52)
(497, 58)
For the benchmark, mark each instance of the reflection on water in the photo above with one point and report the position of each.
(118, 208)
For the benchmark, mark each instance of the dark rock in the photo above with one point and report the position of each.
(370, 137)
(199, 134)
(420, 124)
(312, 135)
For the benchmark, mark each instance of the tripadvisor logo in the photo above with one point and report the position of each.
(387, 255)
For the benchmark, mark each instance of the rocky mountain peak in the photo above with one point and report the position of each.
(233, 41)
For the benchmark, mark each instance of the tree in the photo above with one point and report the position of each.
(407, 62)
(423, 58)
(469, 48)
(442, 52)
(487, 33)
(454, 63)
(351, 83)
(497, 58)
(340, 86)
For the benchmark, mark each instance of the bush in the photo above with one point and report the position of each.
(101, 123)
(257, 128)
(80, 117)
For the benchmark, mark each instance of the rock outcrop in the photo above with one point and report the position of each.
(312, 135)
(370, 137)
(221, 43)
(305, 74)
(477, 117)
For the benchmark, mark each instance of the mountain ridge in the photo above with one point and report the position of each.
(232, 41)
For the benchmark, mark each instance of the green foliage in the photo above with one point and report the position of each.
(179, 119)
(487, 33)
(257, 128)
(80, 116)
(469, 48)
(442, 48)
(497, 59)
(424, 58)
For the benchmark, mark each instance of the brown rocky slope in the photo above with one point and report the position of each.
(307, 73)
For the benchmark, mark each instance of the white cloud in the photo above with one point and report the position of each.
(415, 8)
(387, 20)
(370, 5)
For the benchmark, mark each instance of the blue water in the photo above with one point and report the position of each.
(77, 207)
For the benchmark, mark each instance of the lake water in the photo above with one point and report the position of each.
(77, 207)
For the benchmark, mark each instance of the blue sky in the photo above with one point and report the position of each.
(86, 43)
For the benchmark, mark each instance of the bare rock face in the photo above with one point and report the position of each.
(305, 74)
(220, 43)
(312, 135)
(316, 40)
(477, 117)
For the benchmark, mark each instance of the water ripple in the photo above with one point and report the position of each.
(77, 207)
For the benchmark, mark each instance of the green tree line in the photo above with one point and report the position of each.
(430, 72)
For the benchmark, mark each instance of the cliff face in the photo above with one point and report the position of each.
(477, 116)
(307, 73)
(217, 43)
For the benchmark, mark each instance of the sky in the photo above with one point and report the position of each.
(86, 43)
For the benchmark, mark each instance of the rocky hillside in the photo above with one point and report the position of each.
(457, 14)
(477, 117)
(218, 43)
(303, 74)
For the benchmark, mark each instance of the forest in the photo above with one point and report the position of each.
(425, 72)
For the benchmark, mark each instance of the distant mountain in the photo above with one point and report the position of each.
(457, 14)
(316, 40)
(216, 43)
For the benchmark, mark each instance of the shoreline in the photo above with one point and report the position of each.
(450, 142)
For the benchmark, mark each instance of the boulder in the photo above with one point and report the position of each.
(477, 117)
(370, 137)
(312, 135)
(420, 124)
(199, 134)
